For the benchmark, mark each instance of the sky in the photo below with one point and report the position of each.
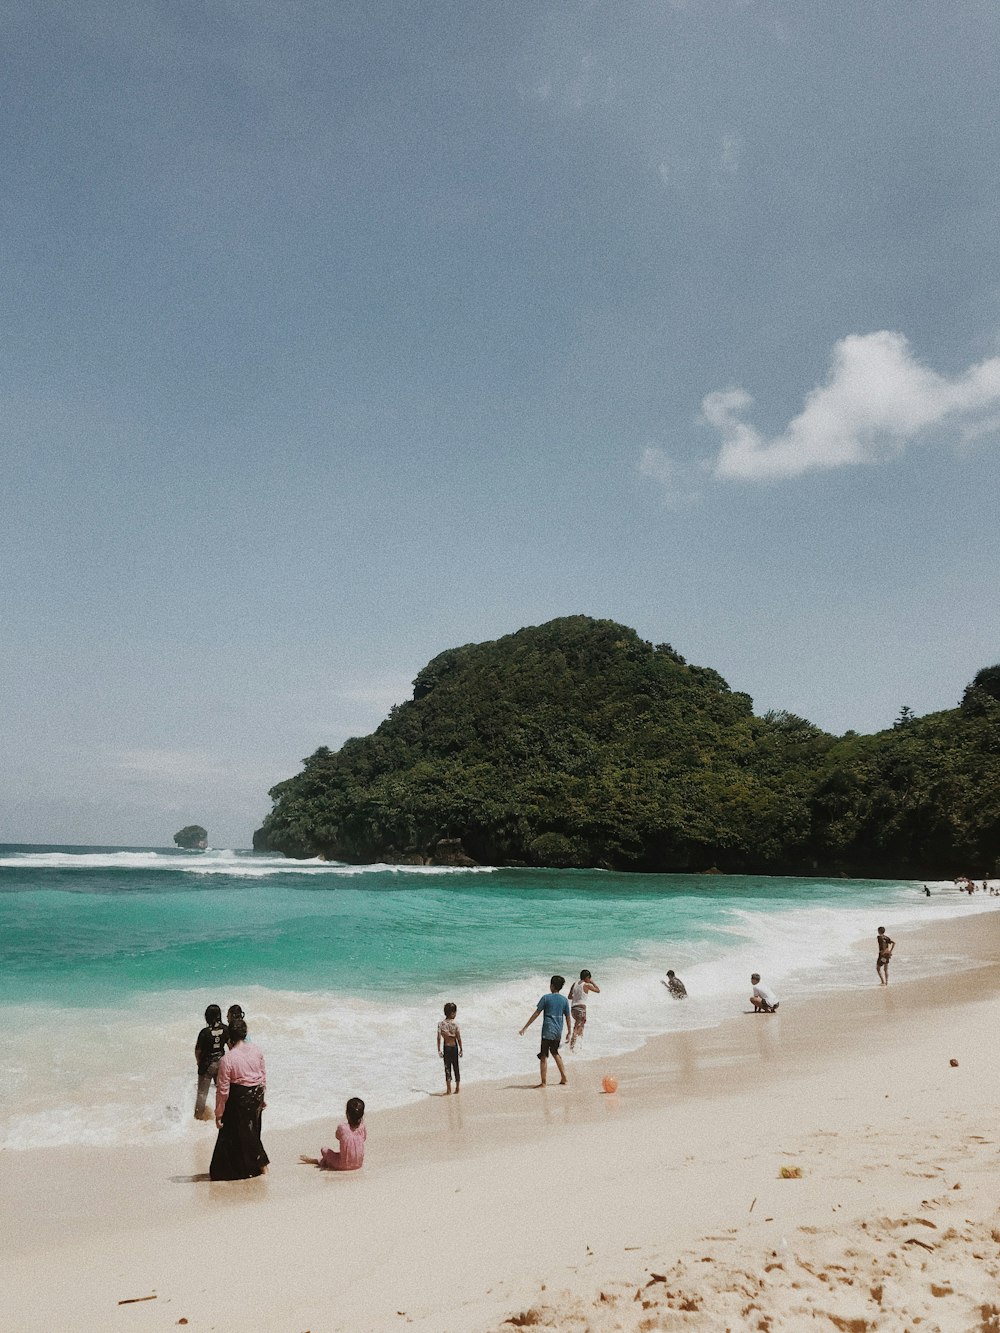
(335, 335)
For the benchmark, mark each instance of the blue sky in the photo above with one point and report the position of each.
(336, 335)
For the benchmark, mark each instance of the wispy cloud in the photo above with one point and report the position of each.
(729, 154)
(568, 82)
(877, 400)
(673, 478)
(378, 695)
(538, 92)
(185, 767)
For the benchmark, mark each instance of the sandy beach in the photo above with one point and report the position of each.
(660, 1207)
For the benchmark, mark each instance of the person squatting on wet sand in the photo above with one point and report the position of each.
(675, 986)
(209, 1048)
(352, 1134)
(554, 1008)
(762, 998)
(885, 948)
(239, 1105)
(449, 1044)
(578, 993)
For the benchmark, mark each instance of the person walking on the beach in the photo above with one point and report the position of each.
(762, 997)
(239, 1104)
(209, 1048)
(554, 1008)
(675, 986)
(449, 1042)
(885, 948)
(578, 993)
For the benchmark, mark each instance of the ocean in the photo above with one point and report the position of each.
(110, 956)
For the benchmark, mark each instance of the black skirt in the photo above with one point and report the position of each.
(239, 1153)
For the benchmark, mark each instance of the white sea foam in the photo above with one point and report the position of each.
(110, 1076)
(239, 865)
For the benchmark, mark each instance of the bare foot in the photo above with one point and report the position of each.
(563, 1080)
(457, 1090)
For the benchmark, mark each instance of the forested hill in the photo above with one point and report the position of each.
(576, 743)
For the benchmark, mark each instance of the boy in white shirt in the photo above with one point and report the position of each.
(763, 999)
(578, 993)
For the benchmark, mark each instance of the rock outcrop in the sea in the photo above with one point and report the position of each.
(576, 743)
(192, 837)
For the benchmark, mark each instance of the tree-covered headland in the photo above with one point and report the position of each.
(577, 743)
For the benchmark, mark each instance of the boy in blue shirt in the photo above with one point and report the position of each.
(553, 1008)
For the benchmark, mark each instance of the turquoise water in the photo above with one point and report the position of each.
(100, 928)
(343, 970)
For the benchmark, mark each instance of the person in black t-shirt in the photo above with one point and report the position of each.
(208, 1051)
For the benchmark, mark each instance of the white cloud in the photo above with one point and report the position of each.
(876, 400)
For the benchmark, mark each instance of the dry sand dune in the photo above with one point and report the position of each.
(935, 1268)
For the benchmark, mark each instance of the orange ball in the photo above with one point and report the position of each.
(609, 1083)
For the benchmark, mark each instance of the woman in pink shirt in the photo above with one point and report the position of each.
(351, 1136)
(239, 1103)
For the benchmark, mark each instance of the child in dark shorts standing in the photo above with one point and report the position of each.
(449, 1044)
(554, 1008)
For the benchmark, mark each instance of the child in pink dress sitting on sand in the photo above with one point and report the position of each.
(351, 1136)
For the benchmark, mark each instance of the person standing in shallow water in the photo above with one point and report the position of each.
(234, 1014)
(239, 1105)
(675, 986)
(449, 1045)
(885, 948)
(578, 993)
(209, 1048)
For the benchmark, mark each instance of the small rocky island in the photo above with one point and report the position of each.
(192, 838)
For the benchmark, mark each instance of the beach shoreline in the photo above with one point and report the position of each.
(446, 1221)
(345, 987)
